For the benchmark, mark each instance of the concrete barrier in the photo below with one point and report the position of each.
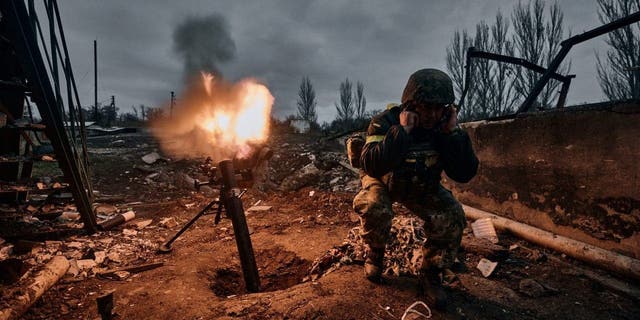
(572, 171)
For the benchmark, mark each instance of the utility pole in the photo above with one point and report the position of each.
(95, 80)
(173, 102)
(112, 111)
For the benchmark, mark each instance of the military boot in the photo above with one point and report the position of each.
(430, 286)
(373, 264)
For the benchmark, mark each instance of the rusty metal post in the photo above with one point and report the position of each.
(565, 46)
(233, 204)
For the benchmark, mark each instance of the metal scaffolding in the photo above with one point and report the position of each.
(43, 57)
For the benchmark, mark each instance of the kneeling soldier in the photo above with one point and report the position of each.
(406, 150)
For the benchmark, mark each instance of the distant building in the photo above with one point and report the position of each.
(301, 126)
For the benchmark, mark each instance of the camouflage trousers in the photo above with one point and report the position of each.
(443, 217)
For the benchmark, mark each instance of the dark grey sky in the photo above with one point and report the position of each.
(379, 43)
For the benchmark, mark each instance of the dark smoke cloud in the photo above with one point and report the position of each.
(203, 43)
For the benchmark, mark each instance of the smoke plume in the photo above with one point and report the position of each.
(203, 43)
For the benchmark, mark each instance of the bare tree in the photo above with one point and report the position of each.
(360, 101)
(503, 100)
(456, 58)
(537, 40)
(490, 91)
(307, 101)
(497, 88)
(345, 108)
(619, 74)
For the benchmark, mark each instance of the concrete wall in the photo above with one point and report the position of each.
(574, 172)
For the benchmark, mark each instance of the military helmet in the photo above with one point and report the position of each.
(429, 85)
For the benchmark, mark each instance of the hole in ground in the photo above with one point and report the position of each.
(278, 268)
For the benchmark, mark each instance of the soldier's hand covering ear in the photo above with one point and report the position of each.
(408, 120)
(452, 117)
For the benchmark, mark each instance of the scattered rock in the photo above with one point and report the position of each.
(121, 275)
(151, 158)
(168, 223)
(143, 224)
(85, 264)
(106, 209)
(42, 258)
(537, 256)
(308, 175)
(531, 288)
(73, 270)
(99, 256)
(69, 215)
(129, 232)
(74, 244)
(117, 143)
(259, 208)
(114, 256)
(149, 178)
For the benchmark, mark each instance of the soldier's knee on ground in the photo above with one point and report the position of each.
(373, 206)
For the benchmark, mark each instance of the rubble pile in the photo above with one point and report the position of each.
(308, 164)
(403, 253)
(88, 255)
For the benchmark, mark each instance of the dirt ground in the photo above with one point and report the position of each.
(202, 279)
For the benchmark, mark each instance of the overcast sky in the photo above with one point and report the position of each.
(379, 43)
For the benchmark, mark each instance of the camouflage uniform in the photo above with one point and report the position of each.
(407, 167)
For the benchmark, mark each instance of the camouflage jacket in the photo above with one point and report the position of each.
(425, 153)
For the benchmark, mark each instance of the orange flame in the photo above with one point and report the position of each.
(231, 116)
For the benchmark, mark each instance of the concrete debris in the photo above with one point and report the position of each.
(168, 223)
(151, 158)
(42, 258)
(117, 143)
(37, 285)
(69, 215)
(308, 175)
(149, 178)
(85, 264)
(117, 275)
(74, 244)
(129, 232)
(105, 209)
(143, 224)
(115, 257)
(259, 208)
(100, 256)
(73, 270)
(486, 267)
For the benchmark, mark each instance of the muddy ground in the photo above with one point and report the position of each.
(201, 278)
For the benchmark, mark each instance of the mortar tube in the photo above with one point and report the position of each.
(233, 205)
